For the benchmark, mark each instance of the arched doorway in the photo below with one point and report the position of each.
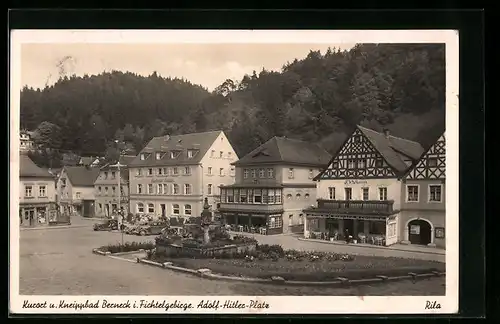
(419, 232)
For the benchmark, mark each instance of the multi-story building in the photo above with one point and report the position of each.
(37, 193)
(172, 175)
(274, 183)
(75, 190)
(359, 193)
(423, 206)
(106, 188)
(25, 141)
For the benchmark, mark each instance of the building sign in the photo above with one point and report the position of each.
(415, 229)
(355, 182)
(161, 180)
(439, 232)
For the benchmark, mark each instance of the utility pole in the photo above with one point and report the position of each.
(120, 216)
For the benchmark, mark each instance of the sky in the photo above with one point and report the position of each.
(205, 64)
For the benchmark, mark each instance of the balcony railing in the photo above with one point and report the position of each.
(250, 207)
(357, 206)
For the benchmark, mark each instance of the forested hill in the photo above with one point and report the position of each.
(319, 98)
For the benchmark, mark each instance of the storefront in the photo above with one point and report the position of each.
(31, 215)
(254, 222)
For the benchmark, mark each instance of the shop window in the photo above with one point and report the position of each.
(377, 228)
(275, 222)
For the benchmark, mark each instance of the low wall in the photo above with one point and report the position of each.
(179, 250)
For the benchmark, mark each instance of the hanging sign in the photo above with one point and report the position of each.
(415, 229)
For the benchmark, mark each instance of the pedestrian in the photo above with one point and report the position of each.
(347, 236)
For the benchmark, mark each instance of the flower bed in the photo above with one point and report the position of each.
(127, 247)
(272, 261)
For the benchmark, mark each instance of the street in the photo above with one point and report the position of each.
(61, 262)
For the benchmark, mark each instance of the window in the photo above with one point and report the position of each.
(159, 171)
(28, 191)
(221, 154)
(121, 191)
(151, 208)
(99, 189)
(377, 227)
(187, 170)
(331, 193)
(351, 164)
(435, 193)
(232, 172)
(270, 173)
(100, 207)
(412, 193)
(106, 190)
(172, 155)
(245, 173)
(114, 190)
(298, 196)
(139, 188)
(150, 188)
(187, 189)
(105, 175)
(143, 156)
(212, 154)
(257, 196)
(221, 172)
(190, 154)
(348, 193)
(209, 189)
(290, 173)
(277, 196)
(150, 171)
(391, 229)
(175, 189)
(306, 196)
(254, 173)
(42, 191)
(159, 188)
(382, 193)
(275, 222)
(78, 195)
(138, 172)
(187, 210)
(175, 171)
(243, 195)
(365, 193)
(262, 173)
(140, 208)
(209, 170)
(165, 171)
(311, 173)
(230, 195)
(432, 162)
(175, 209)
(379, 163)
(361, 163)
(113, 175)
(289, 196)
(229, 156)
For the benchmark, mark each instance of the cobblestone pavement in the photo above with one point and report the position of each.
(292, 242)
(61, 262)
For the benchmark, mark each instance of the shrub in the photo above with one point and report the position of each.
(166, 239)
(127, 247)
(268, 249)
(240, 239)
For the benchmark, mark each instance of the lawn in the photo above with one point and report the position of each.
(320, 270)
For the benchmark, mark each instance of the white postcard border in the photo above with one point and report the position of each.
(278, 304)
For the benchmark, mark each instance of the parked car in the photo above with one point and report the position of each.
(106, 225)
(153, 228)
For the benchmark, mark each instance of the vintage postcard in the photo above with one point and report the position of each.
(234, 172)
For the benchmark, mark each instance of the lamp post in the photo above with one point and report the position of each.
(120, 218)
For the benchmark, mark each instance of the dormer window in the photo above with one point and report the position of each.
(158, 155)
(221, 154)
(143, 156)
(190, 154)
(432, 162)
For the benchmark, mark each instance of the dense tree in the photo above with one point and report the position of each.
(319, 98)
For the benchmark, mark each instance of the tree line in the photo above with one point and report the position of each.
(319, 98)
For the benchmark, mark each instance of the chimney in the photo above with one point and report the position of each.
(386, 132)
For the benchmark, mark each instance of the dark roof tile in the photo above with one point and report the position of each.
(28, 168)
(81, 176)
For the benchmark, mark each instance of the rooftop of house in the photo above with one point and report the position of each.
(28, 168)
(82, 176)
(284, 150)
(179, 146)
(424, 153)
(393, 149)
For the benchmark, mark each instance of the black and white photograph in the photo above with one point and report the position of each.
(234, 171)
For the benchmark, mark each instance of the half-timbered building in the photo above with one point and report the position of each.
(359, 192)
(423, 211)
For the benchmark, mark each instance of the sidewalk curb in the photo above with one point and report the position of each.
(51, 227)
(372, 247)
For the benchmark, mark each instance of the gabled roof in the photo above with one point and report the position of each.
(199, 142)
(286, 151)
(423, 155)
(81, 176)
(28, 168)
(393, 149)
